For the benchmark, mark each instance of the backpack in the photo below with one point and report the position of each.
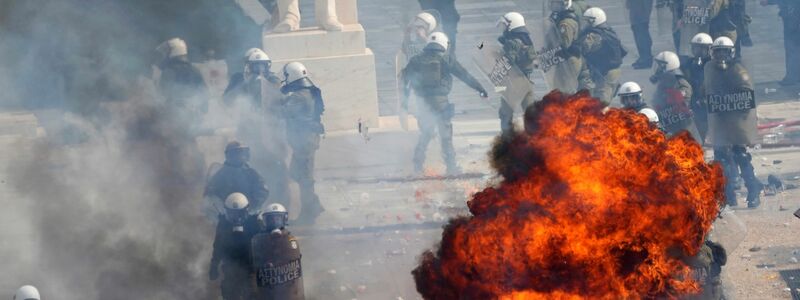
(610, 54)
(432, 70)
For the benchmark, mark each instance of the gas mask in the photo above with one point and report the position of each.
(237, 218)
(722, 57)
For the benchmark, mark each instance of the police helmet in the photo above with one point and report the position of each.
(27, 292)
(427, 20)
(650, 114)
(173, 47)
(275, 217)
(630, 94)
(668, 61)
(440, 39)
(595, 16)
(511, 20)
(722, 49)
(559, 5)
(294, 71)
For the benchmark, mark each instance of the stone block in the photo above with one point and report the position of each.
(314, 42)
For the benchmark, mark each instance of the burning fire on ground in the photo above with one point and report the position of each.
(592, 206)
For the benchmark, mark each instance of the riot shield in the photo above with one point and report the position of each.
(728, 230)
(732, 118)
(697, 15)
(561, 73)
(277, 266)
(507, 79)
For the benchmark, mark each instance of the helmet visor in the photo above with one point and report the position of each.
(631, 100)
(274, 221)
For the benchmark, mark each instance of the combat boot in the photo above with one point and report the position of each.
(754, 194)
(643, 63)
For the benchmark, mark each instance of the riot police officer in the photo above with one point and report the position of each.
(732, 119)
(562, 32)
(630, 95)
(235, 229)
(694, 70)
(695, 16)
(450, 18)
(276, 257)
(790, 14)
(430, 76)
(260, 122)
(603, 53)
(303, 108)
(237, 176)
(639, 12)
(672, 95)
(416, 35)
(181, 84)
(706, 269)
(518, 49)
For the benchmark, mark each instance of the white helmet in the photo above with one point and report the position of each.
(595, 16)
(426, 20)
(440, 39)
(561, 5)
(275, 217)
(294, 71)
(173, 47)
(668, 60)
(650, 114)
(629, 88)
(236, 201)
(258, 56)
(722, 50)
(511, 21)
(27, 292)
(702, 39)
(722, 42)
(630, 95)
(250, 52)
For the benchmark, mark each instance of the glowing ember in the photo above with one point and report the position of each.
(593, 206)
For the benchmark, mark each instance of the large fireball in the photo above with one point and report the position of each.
(593, 205)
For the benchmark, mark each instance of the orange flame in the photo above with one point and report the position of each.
(593, 206)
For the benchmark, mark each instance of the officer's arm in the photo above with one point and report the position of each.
(585, 81)
(260, 191)
(511, 49)
(216, 254)
(590, 43)
(569, 33)
(463, 75)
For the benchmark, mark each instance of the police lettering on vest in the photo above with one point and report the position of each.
(548, 58)
(500, 70)
(278, 275)
(672, 115)
(695, 15)
(732, 102)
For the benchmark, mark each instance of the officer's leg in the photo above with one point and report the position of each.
(506, 114)
(302, 167)
(644, 45)
(236, 284)
(791, 44)
(724, 155)
(700, 120)
(427, 126)
(754, 186)
(277, 180)
(445, 128)
(607, 86)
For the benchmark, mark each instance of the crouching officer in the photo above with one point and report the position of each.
(276, 257)
(672, 95)
(231, 248)
(630, 95)
(732, 119)
(236, 176)
(707, 270)
(430, 75)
